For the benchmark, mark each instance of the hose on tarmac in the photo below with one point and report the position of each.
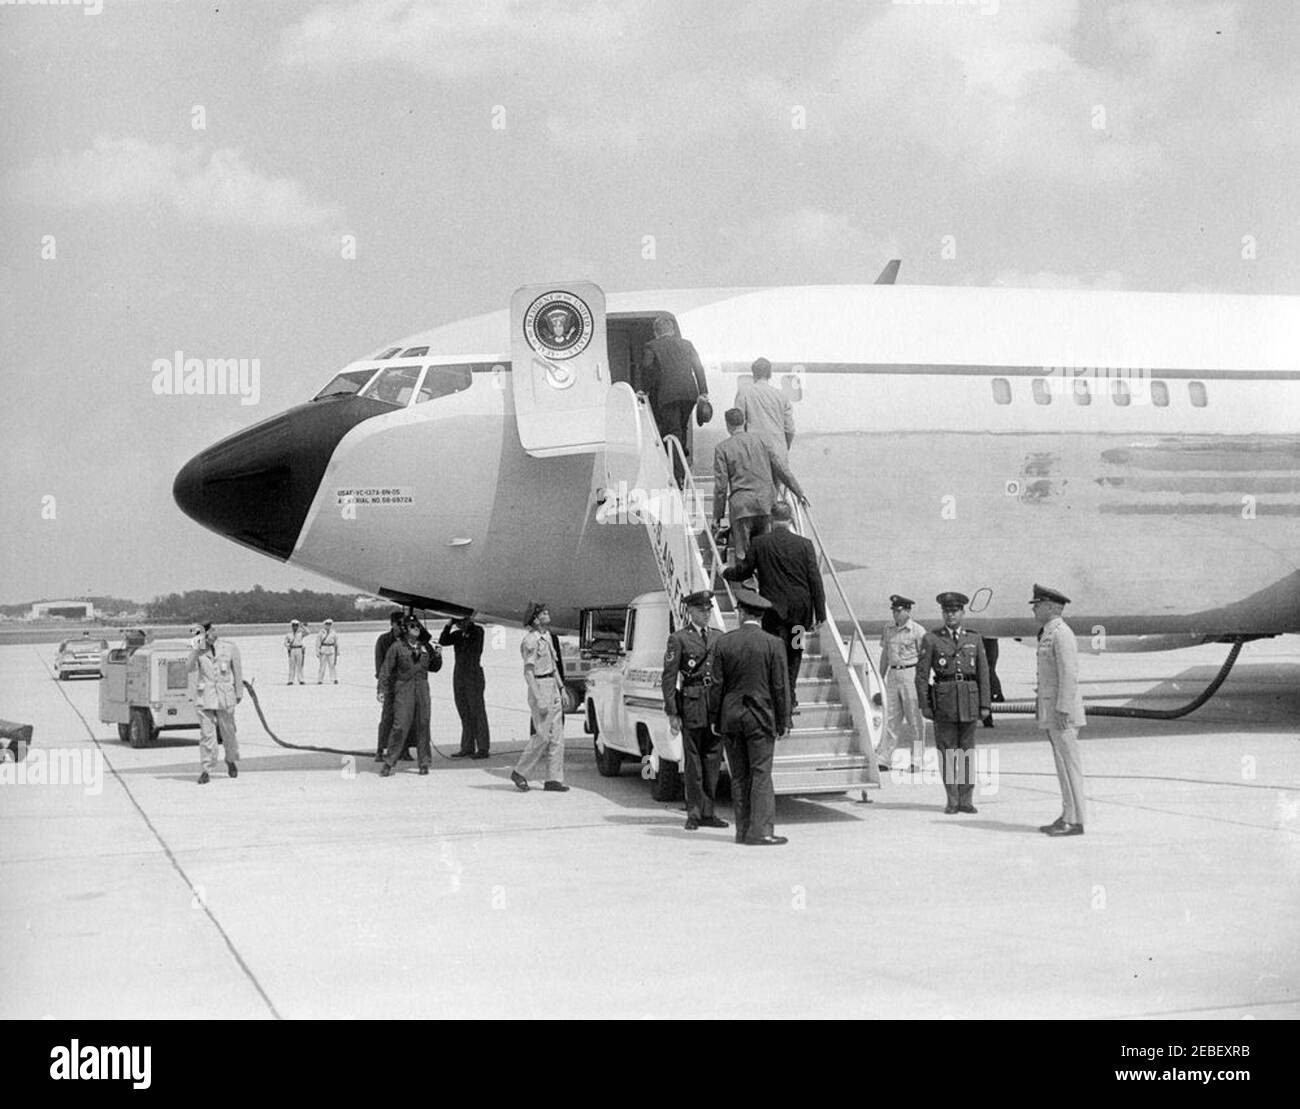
(1144, 714)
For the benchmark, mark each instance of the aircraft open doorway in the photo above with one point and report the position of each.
(627, 334)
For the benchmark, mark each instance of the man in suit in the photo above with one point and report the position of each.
(768, 411)
(686, 669)
(956, 700)
(745, 473)
(467, 684)
(673, 377)
(788, 577)
(1060, 706)
(749, 707)
(406, 669)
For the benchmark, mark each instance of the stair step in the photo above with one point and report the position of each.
(823, 714)
(819, 781)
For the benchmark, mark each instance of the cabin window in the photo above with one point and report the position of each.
(394, 385)
(416, 352)
(1001, 391)
(1196, 390)
(1042, 394)
(442, 381)
(1082, 394)
(1160, 394)
(345, 384)
(1119, 393)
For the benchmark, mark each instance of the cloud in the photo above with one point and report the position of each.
(1049, 279)
(448, 37)
(214, 186)
(805, 245)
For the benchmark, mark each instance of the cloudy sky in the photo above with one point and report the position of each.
(184, 177)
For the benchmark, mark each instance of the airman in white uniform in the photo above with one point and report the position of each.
(1060, 706)
(218, 688)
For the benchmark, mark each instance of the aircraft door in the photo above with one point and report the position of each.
(559, 367)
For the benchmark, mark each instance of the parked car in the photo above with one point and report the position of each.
(80, 656)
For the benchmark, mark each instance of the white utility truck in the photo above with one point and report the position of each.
(147, 688)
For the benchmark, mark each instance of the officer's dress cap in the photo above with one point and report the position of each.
(749, 599)
(952, 600)
(328, 620)
(701, 598)
(293, 621)
(896, 601)
(1042, 593)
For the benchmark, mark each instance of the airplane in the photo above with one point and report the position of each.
(1138, 451)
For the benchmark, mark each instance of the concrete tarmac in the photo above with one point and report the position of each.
(311, 887)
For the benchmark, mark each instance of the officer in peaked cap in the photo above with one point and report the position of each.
(900, 647)
(685, 680)
(956, 700)
(295, 646)
(1060, 706)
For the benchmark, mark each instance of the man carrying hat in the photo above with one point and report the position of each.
(1060, 706)
(327, 652)
(900, 647)
(956, 700)
(687, 706)
(545, 703)
(749, 706)
(295, 646)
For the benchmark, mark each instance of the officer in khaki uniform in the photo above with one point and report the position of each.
(545, 703)
(956, 700)
(687, 706)
(295, 646)
(900, 647)
(218, 688)
(1060, 706)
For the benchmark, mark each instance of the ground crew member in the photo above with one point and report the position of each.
(545, 703)
(900, 647)
(386, 640)
(217, 690)
(295, 646)
(788, 577)
(956, 700)
(467, 684)
(749, 707)
(687, 706)
(672, 376)
(768, 411)
(406, 668)
(327, 651)
(745, 473)
(1060, 706)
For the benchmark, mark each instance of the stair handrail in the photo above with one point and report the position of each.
(691, 494)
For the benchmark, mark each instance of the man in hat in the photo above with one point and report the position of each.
(1060, 706)
(786, 567)
(327, 653)
(900, 647)
(768, 411)
(382, 643)
(295, 646)
(218, 688)
(956, 700)
(467, 684)
(749, 707)
(545, 703)
(745, 473)
(673, 377)
(685, 678)
(406, 669)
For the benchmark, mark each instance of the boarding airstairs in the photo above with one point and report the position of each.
(839, 721)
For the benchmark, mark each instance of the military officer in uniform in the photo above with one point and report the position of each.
(545, 703)
(406, 671)
(687, 706)
(1060, 706)
(295, 646)
(958, 698)
(900, 647)
(749, 706)
(327, 652)
(218, 688)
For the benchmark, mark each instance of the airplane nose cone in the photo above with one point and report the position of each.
(257, 486)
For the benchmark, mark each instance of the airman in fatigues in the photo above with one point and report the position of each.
(900, 647)
(545, 703)
(687, 707)
(295, 646)
(956, 700)
(1060, 706)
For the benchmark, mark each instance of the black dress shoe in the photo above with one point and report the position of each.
(1067, 830)
(480, 755)
(555, 787)
(232, 770)
(713, 822)
(988, 721)
(949, 809)
(204, 779)
(459, 755)
(691, 824)
(521, 783)
(423, 771)
(379, 757)
(967, 808)
(1059, 822)
(767, 841)
(386, 771)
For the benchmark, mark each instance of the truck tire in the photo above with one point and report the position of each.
(141, 728)
(124, 733)
(608, 762)
(667, 785)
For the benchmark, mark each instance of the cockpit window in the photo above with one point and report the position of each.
(442, 381)
(415, 352)
(387, 354)
(394, 385)
(345, 384)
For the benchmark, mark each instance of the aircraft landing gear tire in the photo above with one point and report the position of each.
(667, 785)
(141, 728)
